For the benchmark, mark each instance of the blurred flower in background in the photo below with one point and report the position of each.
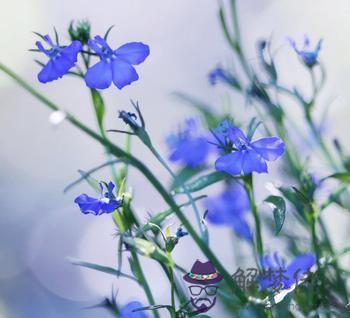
(189, 146)
(229, 208)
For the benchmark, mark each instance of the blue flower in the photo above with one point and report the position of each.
(61, 60)
(221, 75)
(106, 203)
(229, 208)
(188, 147)
(278, 276)
(115, 65)
(180, 233)
(307, 54)
(246, 156)
(127, 310)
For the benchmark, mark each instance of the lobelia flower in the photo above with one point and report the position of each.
(188, 147)
(116, 65)
(246, 156)
(307, 54)
(229, 208)
(106, 203)
(127, 310)
(221, 75)
(278, 276)
(180, 232)
(61, 59)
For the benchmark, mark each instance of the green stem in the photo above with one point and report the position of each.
(172, 283)
(318, 254)
(143, 281)
(248, 184)
(99, 109)
(120, 153)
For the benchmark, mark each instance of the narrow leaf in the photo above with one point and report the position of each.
(98, 106)
(279, 211)
(90, 180)
(184, 175)
(100, 268)
(148, 249)
(203, 108)
(341, 176)
(203, 182)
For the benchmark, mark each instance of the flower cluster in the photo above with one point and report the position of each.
(115, 66)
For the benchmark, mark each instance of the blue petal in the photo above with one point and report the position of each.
(192, 152)
(110, 188)
(231, 163)
(88, 204)
(110, 207)
(48, 73)
(237, 136)
(133, 53)
(270, 148)
(299, 266)
(71, 51)
(123, 73)
(242, 229)
(252, 161)
(99, 75)
(127, 310)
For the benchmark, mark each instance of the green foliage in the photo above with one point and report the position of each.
(279, 211)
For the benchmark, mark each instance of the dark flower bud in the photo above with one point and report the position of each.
(266, 59)
(129, 119)
(80, 31)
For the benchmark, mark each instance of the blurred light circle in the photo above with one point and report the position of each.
(55, 238)
(98, 245)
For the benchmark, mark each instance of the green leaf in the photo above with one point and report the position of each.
(184, 175)
(203, 108)
(279, 211)
(161, 216)
(100, 268)
(253, 125)
(149, 249)
(204, 181)
(90, 180)
(99, 107)
(342, 176)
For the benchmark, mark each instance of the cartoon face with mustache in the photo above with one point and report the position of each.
(203, 280)
(203, 297)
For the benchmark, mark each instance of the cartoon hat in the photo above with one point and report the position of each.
(203, 274)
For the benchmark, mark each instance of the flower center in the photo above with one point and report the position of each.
(105, 200)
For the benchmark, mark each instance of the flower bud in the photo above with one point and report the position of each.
(80, 31)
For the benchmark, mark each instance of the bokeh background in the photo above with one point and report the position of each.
(40, 226)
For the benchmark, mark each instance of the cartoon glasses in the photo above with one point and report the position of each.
(196, 290)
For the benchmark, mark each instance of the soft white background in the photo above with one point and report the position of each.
(39, 225)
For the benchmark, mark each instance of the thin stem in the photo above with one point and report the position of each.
(120, 153)
(318, 253)
(172, 283)
(143, 281)
(248, 184)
